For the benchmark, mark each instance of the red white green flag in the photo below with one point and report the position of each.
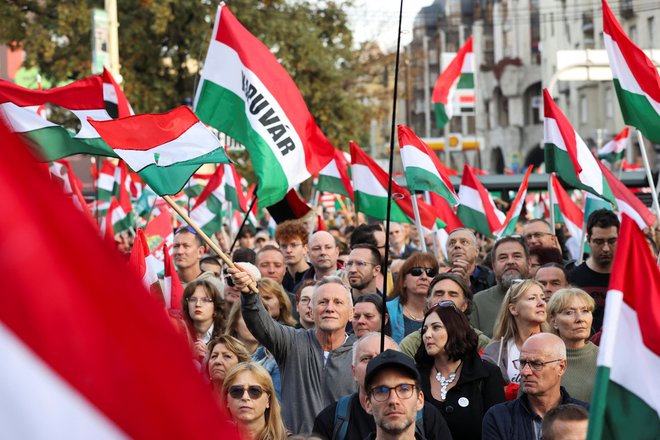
(370, 183)
(424, 171)
(115, 101)
(567, 155)
(334, 177)
(565, 210)
(159, 229)
(105, 184)
(173, 291)
(207, 212)
(636, 79)
(234, 189)
(71, 185)
(625, 402)
(454, 88)
(246, 93)
(50, 141)
(477, 209)
(164, 149)
(509, 224)
(614, 149)
(627, 202)
(145, 264)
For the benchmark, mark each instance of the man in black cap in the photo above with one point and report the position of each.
(394, 396)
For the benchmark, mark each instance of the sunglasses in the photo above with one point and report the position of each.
(417, 271)
(237, 391)
(229, 281)
(186, 228)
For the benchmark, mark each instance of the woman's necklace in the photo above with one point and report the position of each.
(444, 383)
(413, 317)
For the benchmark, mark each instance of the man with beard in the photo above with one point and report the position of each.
(363, 267)
(462, 253)
(593, 276)
(510, 262)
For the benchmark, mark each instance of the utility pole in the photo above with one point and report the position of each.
(113, 40)
(427, 85)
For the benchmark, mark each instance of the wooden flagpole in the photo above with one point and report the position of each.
(247, 214)
(207, 240)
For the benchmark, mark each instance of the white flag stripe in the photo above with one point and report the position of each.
(194, 142)
(106, 182)
(468, 63)
(630, 212)
(622, 72)
(331, 170)
(470, 197)
(365, 182)
(414, 157)
(632, 365)
(29, 386)
(86, 129)
(167, 292)
(591, 174)
(21, 119)
(109, 93)
(201, 215)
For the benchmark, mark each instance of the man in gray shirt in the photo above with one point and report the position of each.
(315, 364)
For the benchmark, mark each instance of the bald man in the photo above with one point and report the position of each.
(542, 363)
(323, 253)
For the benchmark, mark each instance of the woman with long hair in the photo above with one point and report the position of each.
(522, 314)
(276, 301)
(201, 304)
(407, 308)
(454, 378)
(225, 352)
(237, 328)
(570, 313)
(250, 398)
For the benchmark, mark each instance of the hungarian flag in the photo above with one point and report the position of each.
(454, 89)
(567, 155)
(627, 202)
(115, 101)
(159, 229)
(636, 79)
(145, 265)
(625, 400)
(50, 141)
(334, 177)
(565, 210)
(370, 184)
(80, 354)
(71, 185)
(117, 217)
(245, 93)
(207, 212)
(509, 224)
(424, 171)
(477, 209)
(234, 189)
(164, 149)
(173, 291)
(445, 212)
(105, 183)
(614, 149)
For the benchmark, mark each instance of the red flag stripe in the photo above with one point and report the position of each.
(550, 110)
(84, 94)
(450, 74)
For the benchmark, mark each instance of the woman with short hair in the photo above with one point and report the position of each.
(250, 399)
(224, 352)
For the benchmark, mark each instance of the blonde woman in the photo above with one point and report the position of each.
(251, 402)
(522, 314)
(570, 313)
(276, 301)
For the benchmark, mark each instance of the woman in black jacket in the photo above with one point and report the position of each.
(454, 378)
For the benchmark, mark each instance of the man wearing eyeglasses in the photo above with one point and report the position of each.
(593, 276)
(542, 364)
(393, 396)
(539, 234)
(363, 267)
(291, 237)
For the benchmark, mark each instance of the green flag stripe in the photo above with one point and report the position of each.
(471, 218)
(441, 117)
(638, 112)
(466, 81)
(52, 143)
(331, 185)
(377, 207)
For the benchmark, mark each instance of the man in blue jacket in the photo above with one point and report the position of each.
(542, 363)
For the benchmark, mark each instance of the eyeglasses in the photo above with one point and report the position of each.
(305, 300)
(417, 271)
(204, 300)
(358, 263)
(536, 235)
(229, 281)
(520, 364)
(382, 393)
(237, 391)
(285, 246)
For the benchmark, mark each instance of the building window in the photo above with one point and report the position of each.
(552, 24)
(609, 103)
(632, 33)
(650, 27)
(588, 30)
(584, 109)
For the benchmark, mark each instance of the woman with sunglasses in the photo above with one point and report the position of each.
(251, 402)
(202, 312)
(407, 308)
(454, 378)
(224, 352)
(522, 314)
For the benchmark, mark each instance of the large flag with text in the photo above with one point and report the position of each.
(246, 93)
(454, 88)
(625, 402)
(636, 79)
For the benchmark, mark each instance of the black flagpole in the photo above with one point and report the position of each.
(389, 183)
(247, 214)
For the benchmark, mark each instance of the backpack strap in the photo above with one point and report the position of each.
(419, 424)
(342, 417)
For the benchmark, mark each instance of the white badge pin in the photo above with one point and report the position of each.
(463, 402)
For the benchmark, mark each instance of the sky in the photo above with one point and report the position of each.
(378, 20)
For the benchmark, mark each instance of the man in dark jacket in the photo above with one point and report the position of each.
(542, 363)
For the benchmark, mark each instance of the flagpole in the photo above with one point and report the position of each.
(207, 240)
(347, 214)
(418, 222)
(436, 246)
(582, 241)
(649, 177)
(552, 208)
(247, 215)
(390, 170)
(315, 204)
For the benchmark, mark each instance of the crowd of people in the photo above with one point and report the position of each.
(497, 340)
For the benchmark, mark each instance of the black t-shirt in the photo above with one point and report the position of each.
(361, 424)
(595, 284)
